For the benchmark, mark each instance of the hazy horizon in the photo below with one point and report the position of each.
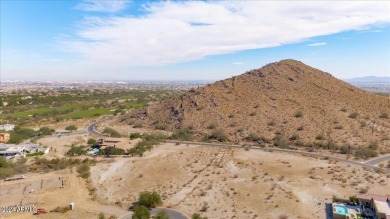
(163, 40)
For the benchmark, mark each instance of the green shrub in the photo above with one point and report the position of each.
(40, 153)
(91, 141)
(77, 150)
(197, 216)
(365, 153)
(135, 135)
(112, 133)
(184, 134)
(141, 212)
(218, 135)
(280, 141)
(161, 215)
(61, 209)
(149, 199)
(71, 128)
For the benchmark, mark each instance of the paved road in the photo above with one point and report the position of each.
(378, 160)
(370, 164)
(91, 127)
(172, 213)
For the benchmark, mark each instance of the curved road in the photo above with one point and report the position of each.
(370, 164)
(91, 127)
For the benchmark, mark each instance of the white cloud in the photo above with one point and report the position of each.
(317, 44)
(167, 34)
(238, 63)
(102, 5)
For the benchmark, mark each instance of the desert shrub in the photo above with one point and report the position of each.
(135, 135)
(252, 137)
(149, 199)
(298, 114)
(218, 135)
(353, 115)
(252, 114)
(147, 143)
(365, 153)
(363, 190)
(293, 137)
(61, 209)
(212, 126)
(8, 168)
(71, 128)
(46, 131)
(280, 141)
(373, 145)
(197, 216)
(343, 109)
(20, 134)
(283, 216)
(77, 150)
(138, 125)
(91, 141)
(300, 128)
(112, 132)
(205, 207)
(384, 115)
(346, 149)
(141, 212)
(184, 134)
(84, 169)
(320, 137)
(160, 126)
(101, 215)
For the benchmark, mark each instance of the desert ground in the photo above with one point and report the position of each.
(218, 182)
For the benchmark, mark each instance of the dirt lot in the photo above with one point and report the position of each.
(233, 183)
(218, 182)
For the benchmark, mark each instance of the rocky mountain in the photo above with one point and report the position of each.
(285, 98)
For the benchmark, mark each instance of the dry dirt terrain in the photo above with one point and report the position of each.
(233, 183)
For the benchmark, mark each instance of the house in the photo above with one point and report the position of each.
(4, 137)
(368, 205)
(7, 127)
(379, 203)
(12, 150)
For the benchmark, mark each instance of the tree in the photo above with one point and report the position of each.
(162, 215)
(141, 212)
(149, 199)
(71, 128)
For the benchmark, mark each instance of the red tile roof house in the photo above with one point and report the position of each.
(380, 203)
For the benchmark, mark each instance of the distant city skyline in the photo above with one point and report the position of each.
(189, 40)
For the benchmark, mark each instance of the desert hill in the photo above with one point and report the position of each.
(285, 98)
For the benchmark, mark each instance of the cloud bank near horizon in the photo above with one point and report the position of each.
(174, 32)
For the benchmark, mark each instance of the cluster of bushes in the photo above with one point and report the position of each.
(147, 200)
(8, 168)
(184, 134)
(20, 134)
(112, 133)
(77, 150)
(147, 143)
(71, 128)
(218, 135)
(40, 153)
(43, 164)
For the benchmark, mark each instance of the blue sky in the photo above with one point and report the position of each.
(189, 40)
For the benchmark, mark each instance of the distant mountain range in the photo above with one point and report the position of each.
(368, 79)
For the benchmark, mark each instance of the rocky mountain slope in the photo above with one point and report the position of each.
(285, 98)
